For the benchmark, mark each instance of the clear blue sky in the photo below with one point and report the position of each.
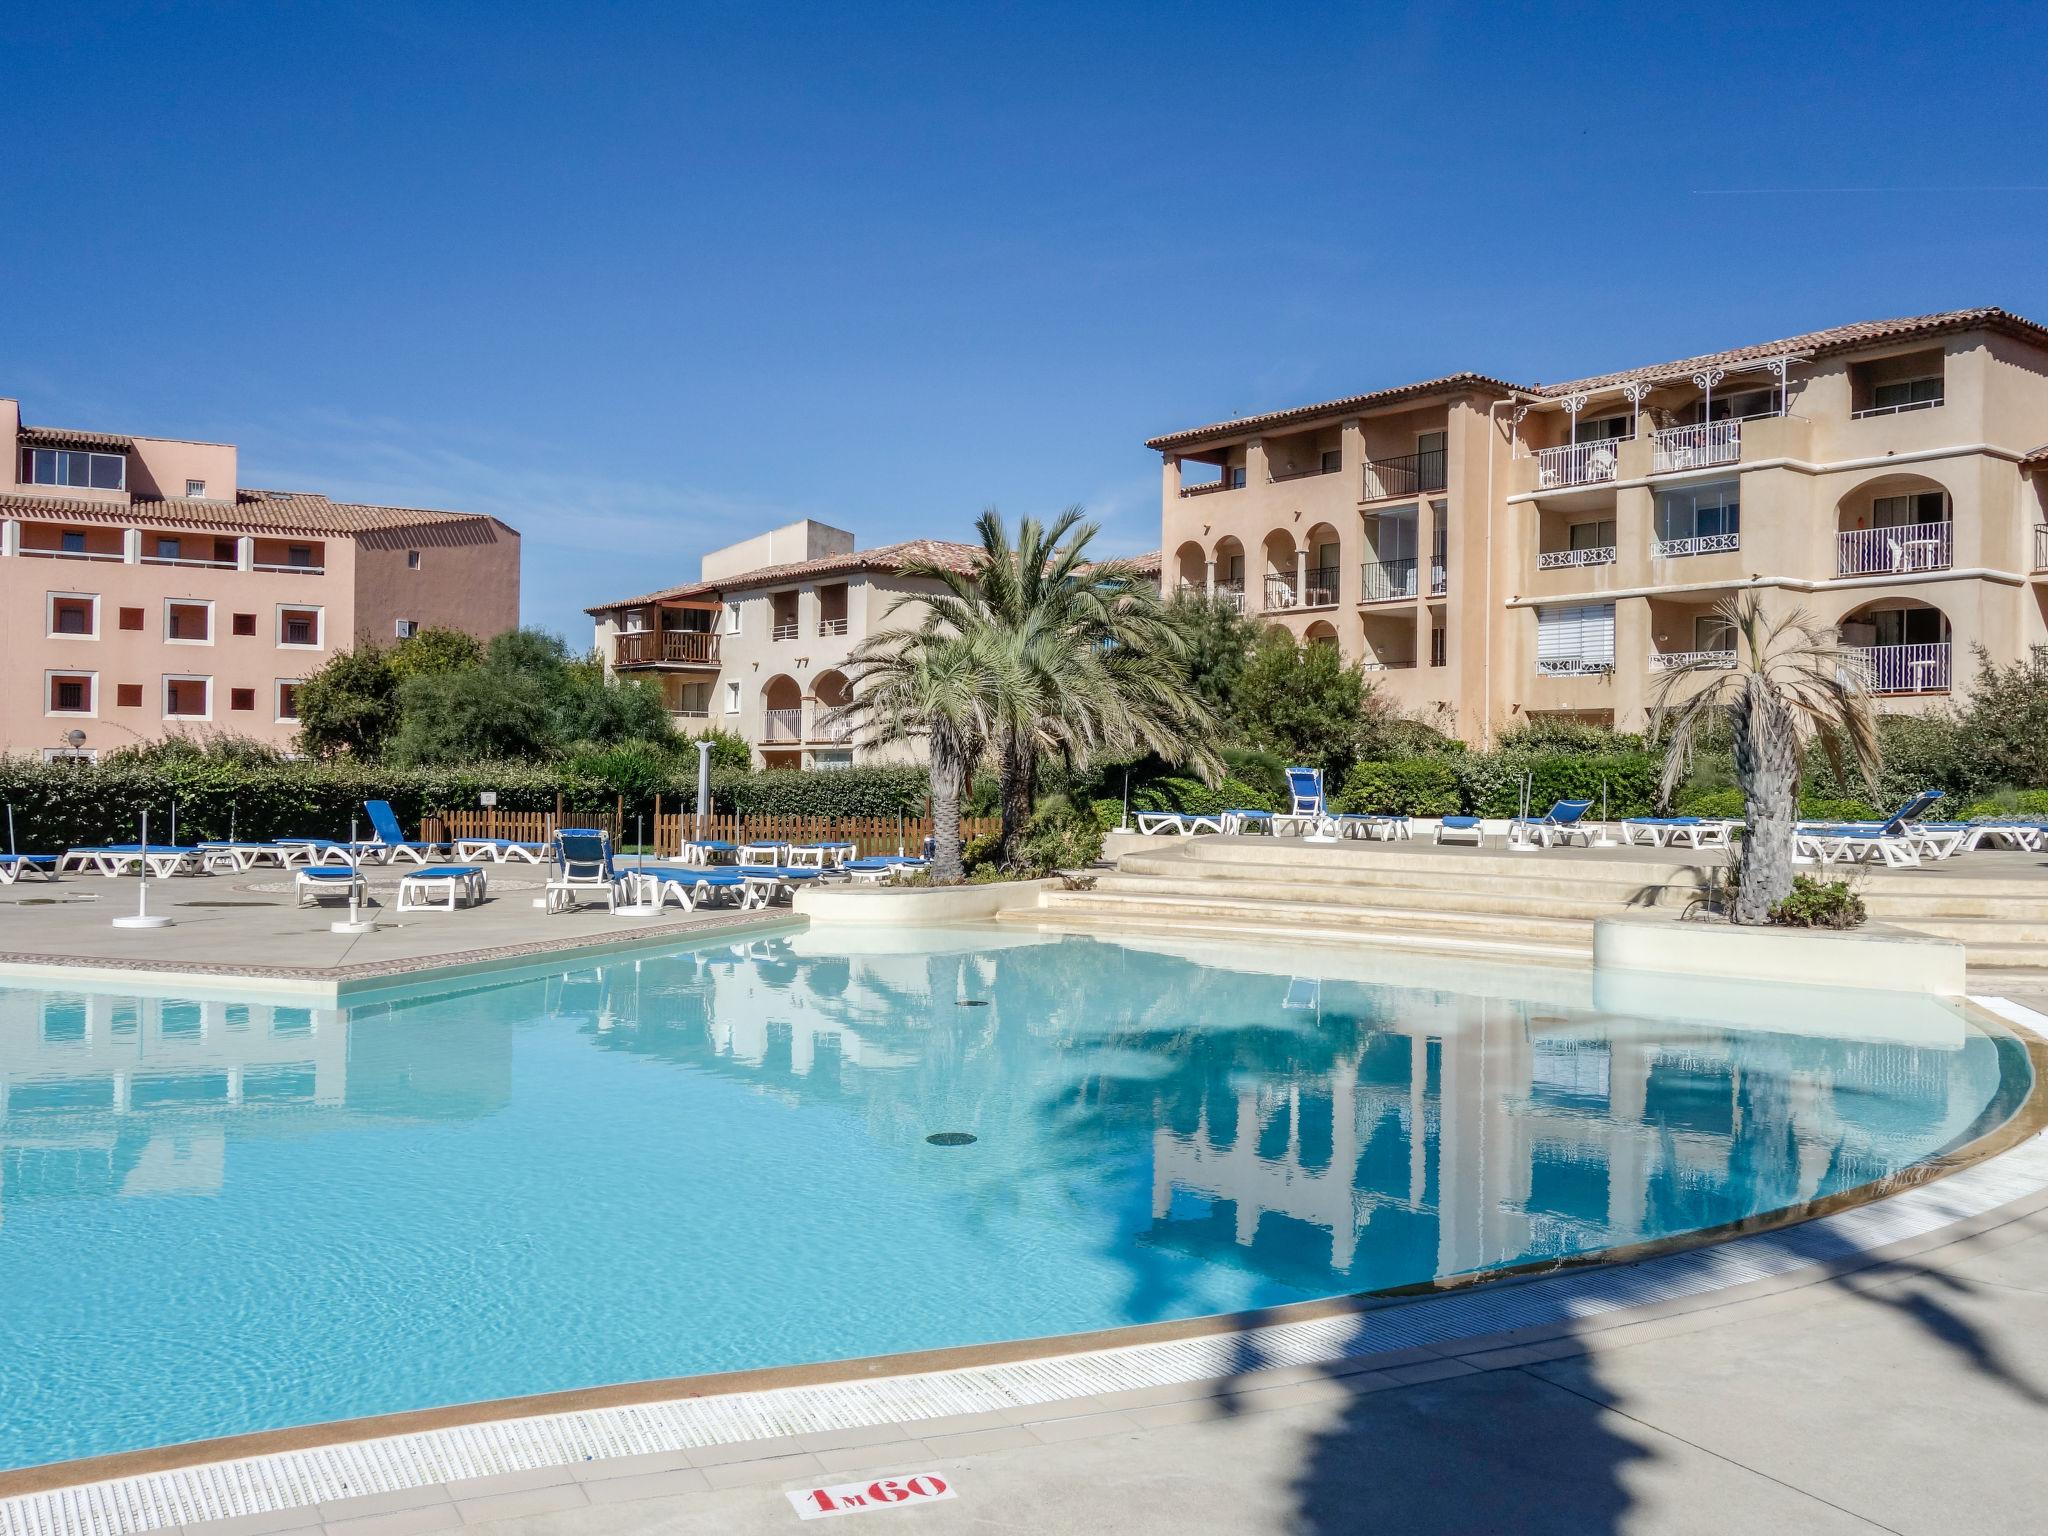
(644, 278)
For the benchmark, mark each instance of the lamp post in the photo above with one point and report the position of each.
(143, 917)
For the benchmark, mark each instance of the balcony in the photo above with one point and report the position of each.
(1572, 559)
(1210, 487)
(1697, 544)
(1894, 410)
(1572, 464)
(1321, 591)
(1280, 593)
(1231, 592)
(2041, 546)
(1408, 474)
(1696, 447)
(290, 570)
(1672, 661)
(1903, 668)
(1281, 476)
(828, 729)
(1575, 666)
(784, 629)
(199, 565)
(1386, 581)
(667, 648)
(831, 627)
(1895, 551)
(782, 725)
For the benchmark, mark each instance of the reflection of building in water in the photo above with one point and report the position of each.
(1519, 1132)
(106, 1094)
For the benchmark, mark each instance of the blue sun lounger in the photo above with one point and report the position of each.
(27, 866)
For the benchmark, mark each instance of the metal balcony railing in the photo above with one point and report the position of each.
(782, 725)
(831, 626)
(1575, 666)
(1884, 551)
(1277, 476)
(1231, 592)
(1920, 668)
(672, 647)
(1280, 593)
(1671, 661)
(1696, 447)
(1406, 474)
(1381, 581)
(784, 629)
(825, 727)
(1894, 410)
(1208, 487)
(1321, 590)
(1578, 463)
(2041, 546)
(1569, 559)
(1695, 544)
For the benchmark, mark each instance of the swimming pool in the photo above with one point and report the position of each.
(220, 1215)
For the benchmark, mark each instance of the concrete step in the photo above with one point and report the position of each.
(1890, 906)
(1615, 885)
(1264, 887)
(1221, 905)
(1130, 919)
(1975, 931)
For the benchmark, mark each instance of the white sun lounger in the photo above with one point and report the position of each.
(321, 882)
(441, 887)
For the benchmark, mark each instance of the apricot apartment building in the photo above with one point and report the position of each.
(1491, 551)
(143, 591)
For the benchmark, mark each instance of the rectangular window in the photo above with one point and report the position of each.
(298, 554)
(195, 489)
(1394, 535)
(131, 618)
(1236, 477)
(1439, 646)
(241, 698)
(732, 698)
(1597, 535)
(128, 695)
(72, 542)
(1606, 429)
(74, 613)
(1333, 460)
(1743, 406)
(1904, 511)
(243, 624)
(224, 552)
(1575, 638)
(412, 559)
(1711, 632)
(732, 618)
(301, 626)
(287, 700)
(1692, 512)
(406, 628)
(188, 623)
(65, 466)
(188, 698)
(1906, 393)
(71, 693)
(169, 549)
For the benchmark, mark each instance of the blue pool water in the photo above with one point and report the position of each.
(219, 1216)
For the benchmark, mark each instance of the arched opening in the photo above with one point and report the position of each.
(782, 710)
(1325, 557)
(1191, 568)
(1230, 571)
(1903, 644)
(1277, 567)
(830, 693)
(1895, 523)
(1322, 632)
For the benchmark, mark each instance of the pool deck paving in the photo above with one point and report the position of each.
(1908, 1394)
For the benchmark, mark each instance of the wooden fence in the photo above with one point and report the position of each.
(666, 830)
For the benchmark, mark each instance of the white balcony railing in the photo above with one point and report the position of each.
(782, 725)
(204, 565)
(1697, 447)
(1578, 463)
(1575, 666)
(1698, 544)
(1920, 668)
(291, 570)
(1381, 581)
(784, 629)
(1280, 593)
(1567, 559)
(831, 626)
(828, 726)
(1671, 661)
(1231, 592)
(2041, 546)
(1894, 410)
(1887, 551)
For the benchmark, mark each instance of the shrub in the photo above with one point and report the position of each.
(1726, 804)
(1109, 814)
(2007, 802)
(1818, 808)
(1060, 837)
(1490, 783)
(882, 789)
(1817, 903)
(1415, 786)
(1172, 792)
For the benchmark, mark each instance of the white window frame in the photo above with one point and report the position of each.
(1581, 634)
(71, 754)
(279, 717)
(88, 454)
(412, 559)
(733, 700)
(92, 693)
(212, 628)
(732, 618)
(401, 629)
(195, 490)
(163, 697)
(319, 612)
(50, 601)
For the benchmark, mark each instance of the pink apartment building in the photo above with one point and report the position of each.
(144, 592)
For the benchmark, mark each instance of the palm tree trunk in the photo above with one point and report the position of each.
(1015, 770)
(949, 786)
(1767, 767)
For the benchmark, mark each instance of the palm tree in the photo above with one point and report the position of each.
(1792, 683)
(1092, 663)
(930, 685)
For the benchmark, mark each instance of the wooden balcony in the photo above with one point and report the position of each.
(666, 648)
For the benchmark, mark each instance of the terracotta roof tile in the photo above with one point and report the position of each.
(64, 437)
(255, 511)
(1840, 338)
(1450, 384)
(888, 558)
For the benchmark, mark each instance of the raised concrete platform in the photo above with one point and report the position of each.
(1876, 957)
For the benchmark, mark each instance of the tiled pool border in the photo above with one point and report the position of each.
(272, 1474)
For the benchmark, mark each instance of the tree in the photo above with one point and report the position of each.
(1089, 661)
(940, 688)
(729, 750)
(1302, 701)
(1216, 642)
(2004, 731)
(1792, 684)
(483, 713)
(434, 649)
(349, 705)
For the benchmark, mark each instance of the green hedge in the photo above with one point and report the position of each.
(1174, 793)
(1490, 784)
(61, 805)
(1409, 786)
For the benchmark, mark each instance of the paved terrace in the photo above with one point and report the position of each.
(248, 925)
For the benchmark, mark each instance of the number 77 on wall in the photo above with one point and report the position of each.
(859, 1498)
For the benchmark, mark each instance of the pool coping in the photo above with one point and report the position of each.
(268, 1474)
(332, 983)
